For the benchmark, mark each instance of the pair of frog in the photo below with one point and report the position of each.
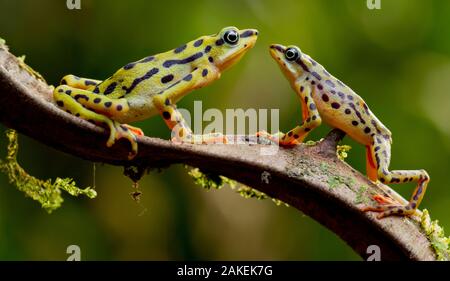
(154, 84)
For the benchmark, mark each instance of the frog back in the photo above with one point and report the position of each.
(144, 78)
(340, 107)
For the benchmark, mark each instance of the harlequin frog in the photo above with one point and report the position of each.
(325, 98)
(153, 85)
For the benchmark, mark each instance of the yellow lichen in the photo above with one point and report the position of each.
(436, 235)
(29, 69)
(310, 143)
(361, 195)
(48, 194)
(209, 180)
(342, 151)
(248, 192)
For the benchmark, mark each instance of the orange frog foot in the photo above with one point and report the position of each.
(381, 199)
(276, 139)
(135, 130)
(213, 138)
(388, 207)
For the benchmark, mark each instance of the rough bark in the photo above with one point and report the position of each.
(309, 178)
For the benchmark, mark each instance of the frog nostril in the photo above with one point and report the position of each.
(256, 32)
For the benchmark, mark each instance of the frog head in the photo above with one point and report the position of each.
(291, 61)
(229, 45)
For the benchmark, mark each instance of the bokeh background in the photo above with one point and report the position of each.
(397, 58)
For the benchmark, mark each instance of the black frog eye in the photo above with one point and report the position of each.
(231, 37)
(292, 54)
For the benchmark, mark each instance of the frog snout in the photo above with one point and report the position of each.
(277, 51)
(278, 47)
(249, 33)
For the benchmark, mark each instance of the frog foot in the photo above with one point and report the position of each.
(119, 131)
(381, 199)
(390, 210)
(137, 131)
(276, 139)
(212, 138)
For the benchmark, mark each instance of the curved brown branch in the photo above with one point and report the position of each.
(309, 178)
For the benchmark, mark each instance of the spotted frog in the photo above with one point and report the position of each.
(153, 85)
(325, 98)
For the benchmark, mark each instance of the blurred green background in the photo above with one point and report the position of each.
(396, 58)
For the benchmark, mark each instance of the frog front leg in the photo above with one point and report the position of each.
(173, 118)
(97, 109)
(311, 120)
(380, 153)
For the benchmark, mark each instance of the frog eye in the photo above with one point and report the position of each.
(292, 54)
(231, 37)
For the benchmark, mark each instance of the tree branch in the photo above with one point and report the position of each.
(309, 178)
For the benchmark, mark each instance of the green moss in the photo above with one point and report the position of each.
(342, 151)
(310, 143)
(22, 63)
(30, 70)
(210, 181)
(248, 192)
(324, 167)
(361, 195)
(48, 194)
(334, 181)
(279, 202)
(436, 235)
(350, 181)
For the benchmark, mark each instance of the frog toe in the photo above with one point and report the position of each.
(381, 199)
(119, 131)
(390, 210)
(274, 138)
(262, 134)
(124, 133)
(137, 131)
(133, 151)
(202, 139)
(112, 136)
(214, 138)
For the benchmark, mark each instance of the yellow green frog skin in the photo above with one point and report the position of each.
(325, 98)
(153, 85)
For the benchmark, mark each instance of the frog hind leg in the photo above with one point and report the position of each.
(381, 153)
(372, 174)
(79, 82)
(90, 85)
(96, 109)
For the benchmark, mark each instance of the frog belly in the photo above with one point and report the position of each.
(335, 118)
(139, 110)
